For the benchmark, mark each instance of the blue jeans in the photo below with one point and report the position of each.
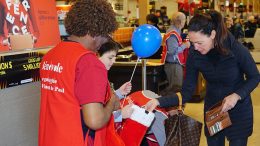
(219, 140)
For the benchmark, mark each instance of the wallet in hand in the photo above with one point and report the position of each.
(217, 121)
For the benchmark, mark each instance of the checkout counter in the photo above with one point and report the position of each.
(20, 67)
(19, 105)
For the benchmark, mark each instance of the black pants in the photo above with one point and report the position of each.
(219, 140)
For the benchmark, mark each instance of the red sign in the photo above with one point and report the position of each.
(30, 23)
(62, 11)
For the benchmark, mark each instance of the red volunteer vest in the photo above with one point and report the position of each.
(182, 56)
(107, 136)
(60, 121)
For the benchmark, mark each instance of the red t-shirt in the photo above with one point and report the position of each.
(91, 80)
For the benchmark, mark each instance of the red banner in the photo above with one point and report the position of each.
(189, 5)
(28, 24)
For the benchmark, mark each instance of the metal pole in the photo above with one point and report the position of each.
(144, 74)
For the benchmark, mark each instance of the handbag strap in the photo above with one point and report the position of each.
(180, 101)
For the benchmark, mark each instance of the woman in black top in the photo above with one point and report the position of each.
(230, 72)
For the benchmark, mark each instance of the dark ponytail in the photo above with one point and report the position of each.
(221, 31)
(207, 22)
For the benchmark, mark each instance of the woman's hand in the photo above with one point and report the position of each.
(230, 102)
(151, 105)
(127, 111)
(125, 88)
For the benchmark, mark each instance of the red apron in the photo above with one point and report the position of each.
(60, 121)
(107, 136)
(182, 56)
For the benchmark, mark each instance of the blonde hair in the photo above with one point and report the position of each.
(178, 18)
(251, 18)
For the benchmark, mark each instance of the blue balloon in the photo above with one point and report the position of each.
(146, 40)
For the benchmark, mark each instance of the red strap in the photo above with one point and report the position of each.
(86, 139)
(165, 38)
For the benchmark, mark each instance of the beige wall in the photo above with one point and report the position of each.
(172, 6)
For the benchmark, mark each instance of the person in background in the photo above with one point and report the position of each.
(134, 22)
(250, 27)
(229, 23)
(153, 20)
(237, 30)
(107, 55)
(230, 72)
(174, 46)
(235, 27)
(74, 86)
(257, 18)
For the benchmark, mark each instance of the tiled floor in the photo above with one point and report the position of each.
(195, 110)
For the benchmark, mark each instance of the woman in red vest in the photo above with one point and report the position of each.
(75, 89)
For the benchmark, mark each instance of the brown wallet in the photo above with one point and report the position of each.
(217, 121)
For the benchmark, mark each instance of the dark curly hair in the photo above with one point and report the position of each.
(91, 17)
(152, 18)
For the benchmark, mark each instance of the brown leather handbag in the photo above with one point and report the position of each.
(217, 121)
(182, 130)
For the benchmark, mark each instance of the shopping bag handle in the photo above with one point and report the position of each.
(180, 108)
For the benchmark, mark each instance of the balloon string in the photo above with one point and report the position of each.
(130, 81)
(134, 69)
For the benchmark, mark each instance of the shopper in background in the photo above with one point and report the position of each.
(257, 18)
(74, 80)
(229, 23)
(237, 30)
(250, 27)
(235, 27)
(230, 72)
(154, 20)
(174, 45)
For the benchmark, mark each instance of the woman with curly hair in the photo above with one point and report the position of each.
(75, 93)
